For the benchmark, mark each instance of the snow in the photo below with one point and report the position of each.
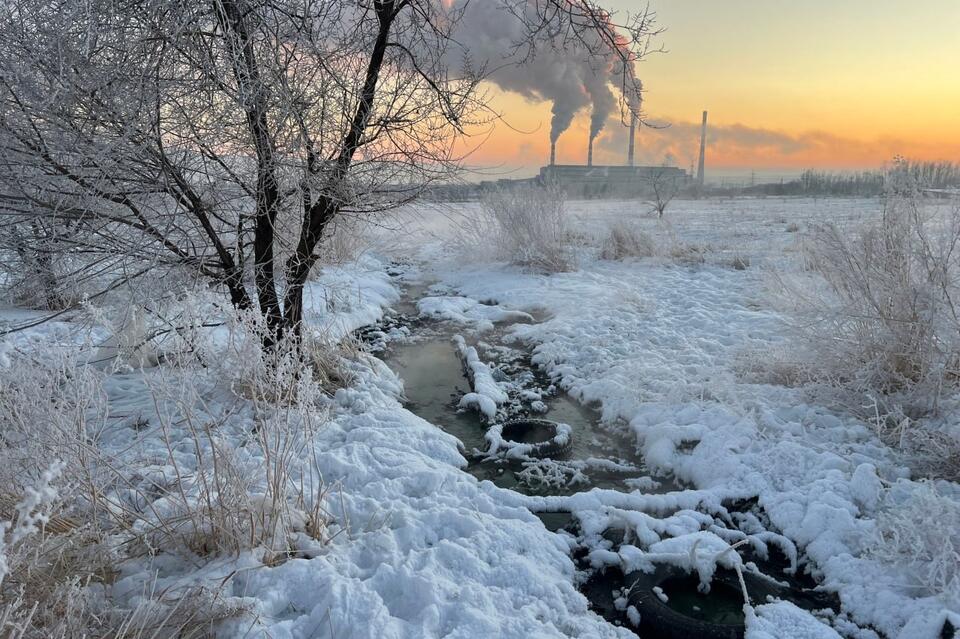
(783, 620)
(464, 310)
(866, 487)
(434, 553)
(702, 552)
(665, 348)
(419, 548)
(487, 394)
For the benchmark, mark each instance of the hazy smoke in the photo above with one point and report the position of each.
(569, 78)
(681, 141)
(602, 98)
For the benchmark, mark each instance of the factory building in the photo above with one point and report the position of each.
(611, 181)
(595, 181)
(592, 181)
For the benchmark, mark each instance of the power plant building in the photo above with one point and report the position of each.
(628, 180)
(611, 181)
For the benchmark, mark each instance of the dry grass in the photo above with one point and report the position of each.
(690, 254)
(206, 479)
(916, 533)
(291, 371)
(525, 226)
(624, 241)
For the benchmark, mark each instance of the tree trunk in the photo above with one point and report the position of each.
(48, 282)
(247, 73)
(318, 215)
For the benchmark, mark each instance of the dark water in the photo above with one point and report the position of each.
(723, 604)
(434, 382)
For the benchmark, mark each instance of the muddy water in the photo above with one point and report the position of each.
(600, 455)
(434, 382)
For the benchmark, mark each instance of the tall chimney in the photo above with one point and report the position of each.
(590, 153)
(703, 144)
(553, 153)
(633, 133)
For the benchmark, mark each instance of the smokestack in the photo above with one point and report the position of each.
(553, 153)
(633, 133)
(590, 153)
(703, 144)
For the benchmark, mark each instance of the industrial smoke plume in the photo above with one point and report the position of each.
(568, 77)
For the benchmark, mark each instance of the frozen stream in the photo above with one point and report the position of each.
(434, 381)
(423, 353)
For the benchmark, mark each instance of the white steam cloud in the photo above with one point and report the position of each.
(567, 77)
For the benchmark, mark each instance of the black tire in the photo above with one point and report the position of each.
(658, 619)
(552, 447)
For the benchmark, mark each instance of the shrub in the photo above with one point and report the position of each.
(891, 319)
(915, 532)
(625, 240)
(526, 226)
(884, 333)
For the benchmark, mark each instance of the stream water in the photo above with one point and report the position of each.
(434, 382)
(601, 455)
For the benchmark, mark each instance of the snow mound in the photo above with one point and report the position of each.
(469, 312)
(487, 394)
(783, 620)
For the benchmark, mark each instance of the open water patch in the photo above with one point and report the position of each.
(423, 352)
(430, 353)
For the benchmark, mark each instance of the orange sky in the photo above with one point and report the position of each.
(835, 84)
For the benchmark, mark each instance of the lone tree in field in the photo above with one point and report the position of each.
(227, 136)
(664, 186)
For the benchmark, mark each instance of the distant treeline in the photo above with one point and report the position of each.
(928, 175)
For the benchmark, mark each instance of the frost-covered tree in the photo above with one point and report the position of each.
(226, 136)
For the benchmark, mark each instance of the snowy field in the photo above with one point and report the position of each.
(671, 348)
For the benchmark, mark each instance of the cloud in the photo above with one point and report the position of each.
(743, 146)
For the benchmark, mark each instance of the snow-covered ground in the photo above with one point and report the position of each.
(660, 343)
(420, 548)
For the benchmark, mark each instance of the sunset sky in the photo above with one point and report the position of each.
(789, 85)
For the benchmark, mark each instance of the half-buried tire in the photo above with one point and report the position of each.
(671, 607)
(530, 438)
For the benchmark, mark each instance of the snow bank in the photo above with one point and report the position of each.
(656, 346)
(469, 312)
(487, 394)
(430, 552)
(783, 620)
(344, 298)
